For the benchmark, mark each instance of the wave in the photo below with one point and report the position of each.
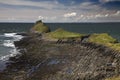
(10, 43)
(13, 53)
(9, 34)
(14, 36)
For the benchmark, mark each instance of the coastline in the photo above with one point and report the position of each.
(50, 60)
(8, 48)
(56, 60)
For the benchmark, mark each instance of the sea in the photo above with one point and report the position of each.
(8, 34)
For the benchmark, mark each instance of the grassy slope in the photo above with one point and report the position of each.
(114, 78)
(102, 38)
(40, 27)
(106, 40)
(63, 34)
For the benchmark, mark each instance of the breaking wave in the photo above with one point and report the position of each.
(9, 34)
(9, 43)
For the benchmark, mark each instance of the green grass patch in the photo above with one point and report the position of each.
(114, 78)
(102, 38)
(40, 28)
(116, 46)
(63, 34)
(105, 39)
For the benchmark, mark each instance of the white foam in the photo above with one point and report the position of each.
(13, 53)
(17, 37)
(8, 43)
(9, 34)
(13, 35)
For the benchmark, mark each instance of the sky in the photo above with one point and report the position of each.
(60, 10)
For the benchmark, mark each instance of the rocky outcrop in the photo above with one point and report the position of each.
(39, 27)
(45, 60)
(72, 57)
(62, 35)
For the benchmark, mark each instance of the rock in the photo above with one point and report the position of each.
(45, 60)
(39, 27)
(23, 34)
(66, 61)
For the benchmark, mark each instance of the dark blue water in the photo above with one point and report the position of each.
(8, 34)
(112, 28)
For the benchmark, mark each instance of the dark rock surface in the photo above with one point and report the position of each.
(44, 60)
(23, 34)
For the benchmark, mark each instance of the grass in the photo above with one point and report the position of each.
(40, 27)
(115, 46)
(114, 78)
(63, 34)
(102, 38)
(105, 39)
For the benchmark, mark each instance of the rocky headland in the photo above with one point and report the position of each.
(64, 55)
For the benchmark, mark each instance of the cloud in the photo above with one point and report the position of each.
(40, 17)
(72, 14)
(42, 4)
(105, 1)
(117, 13)
(56, 11)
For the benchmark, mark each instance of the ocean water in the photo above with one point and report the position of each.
(7, 47)
(8, 34)
(112, 28)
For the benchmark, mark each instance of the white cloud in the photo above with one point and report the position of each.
(72, 14)
(104, 1)
(54, 11)
(117, 13)
(40, 17)
(42, 4)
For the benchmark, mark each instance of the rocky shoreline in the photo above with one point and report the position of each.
(44, 60)
(61, 60)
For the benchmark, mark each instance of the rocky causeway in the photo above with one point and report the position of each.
(47, 55)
